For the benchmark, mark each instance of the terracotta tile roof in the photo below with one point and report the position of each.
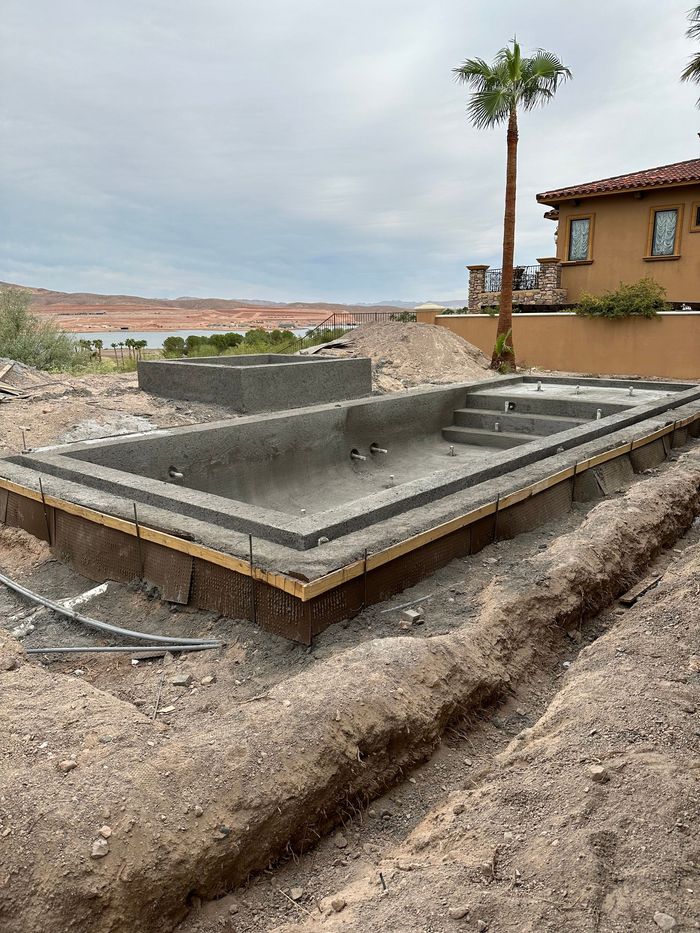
(678, 173)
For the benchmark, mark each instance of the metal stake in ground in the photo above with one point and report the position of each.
(138, 541)
(364, 582)
(252, 580)
(46, 512)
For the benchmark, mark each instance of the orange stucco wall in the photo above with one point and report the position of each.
(668, 345)
(620, 242)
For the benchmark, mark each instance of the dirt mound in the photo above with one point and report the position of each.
(407, 355)
(21, 552)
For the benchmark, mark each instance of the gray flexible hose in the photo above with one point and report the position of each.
(104, 626)
(134, 649)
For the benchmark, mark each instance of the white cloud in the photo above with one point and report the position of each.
(310, 150)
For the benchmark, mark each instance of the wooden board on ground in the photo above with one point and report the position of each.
(631, 596)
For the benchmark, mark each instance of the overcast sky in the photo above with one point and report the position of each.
(313, 149)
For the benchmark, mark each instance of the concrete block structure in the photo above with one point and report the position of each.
(258, 382)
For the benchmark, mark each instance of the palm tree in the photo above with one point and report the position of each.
(499, 91)
(692, 70)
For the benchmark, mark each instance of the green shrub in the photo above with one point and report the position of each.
(645, 298)
(26, 338)
(173, 346)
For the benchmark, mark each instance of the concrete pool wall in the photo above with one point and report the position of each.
(257, 382)
(106, 533)
(291, 478)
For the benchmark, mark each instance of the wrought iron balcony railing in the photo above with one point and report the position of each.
(525, 278)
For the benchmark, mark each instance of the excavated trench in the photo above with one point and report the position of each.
(271, 773)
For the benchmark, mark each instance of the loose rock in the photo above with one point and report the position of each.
(338, 904)
(414, 616)
(599, 774)
(67, 765)
(664, 921)
(100, 848)
(296, 894)
(340, 841)
(458, 913)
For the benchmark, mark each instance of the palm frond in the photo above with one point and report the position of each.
(475, 72)
(543, 73)
(692, 70)
(693, 31)
(489, 107)
(511, 81)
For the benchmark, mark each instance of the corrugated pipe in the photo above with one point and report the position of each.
(105, 626)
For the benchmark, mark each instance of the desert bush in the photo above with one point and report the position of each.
(645, 298)
(173, 346)
(28, 339)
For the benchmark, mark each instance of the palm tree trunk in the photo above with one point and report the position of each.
(505, 316)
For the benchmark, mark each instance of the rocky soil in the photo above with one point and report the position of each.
(60, 408)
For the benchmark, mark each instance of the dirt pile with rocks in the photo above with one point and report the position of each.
(408, 355)
(120, 823)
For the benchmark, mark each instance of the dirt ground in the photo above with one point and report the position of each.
(59, 408)
(177, 767)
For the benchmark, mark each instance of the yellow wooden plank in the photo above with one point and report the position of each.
(228, 561)
(309, 590)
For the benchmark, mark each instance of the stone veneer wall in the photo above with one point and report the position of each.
(548, 291)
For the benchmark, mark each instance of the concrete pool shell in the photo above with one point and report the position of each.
(281, 483)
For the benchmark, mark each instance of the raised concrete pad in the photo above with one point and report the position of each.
(258, 382)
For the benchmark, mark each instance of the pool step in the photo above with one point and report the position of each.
(518, 422)
(482, 438)
(538, 403)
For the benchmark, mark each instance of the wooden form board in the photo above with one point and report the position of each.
(306, 591)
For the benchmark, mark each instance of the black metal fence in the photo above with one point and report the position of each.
(341, 322)
(525, 278)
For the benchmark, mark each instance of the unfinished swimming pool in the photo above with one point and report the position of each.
(299, 518)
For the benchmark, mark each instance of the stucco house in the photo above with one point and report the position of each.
(619, 229)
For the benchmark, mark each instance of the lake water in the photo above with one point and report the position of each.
(154, 339)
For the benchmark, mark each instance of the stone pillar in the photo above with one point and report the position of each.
(549, 275)
(477, 286)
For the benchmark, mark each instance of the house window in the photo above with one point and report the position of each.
(695, 217)
(664, 230)
(579, 239)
